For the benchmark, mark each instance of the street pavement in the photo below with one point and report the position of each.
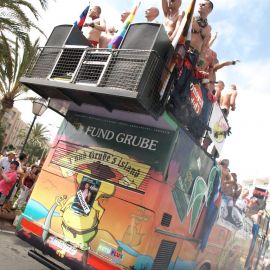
(13, 251)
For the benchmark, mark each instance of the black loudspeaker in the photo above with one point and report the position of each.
(64, 61)
(147, 36)
(66, 35)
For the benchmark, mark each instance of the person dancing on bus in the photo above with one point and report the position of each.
(172, 18)
(93, 26)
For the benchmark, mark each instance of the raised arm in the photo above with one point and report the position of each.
(224, 64)
(212, 40)
(165, 7)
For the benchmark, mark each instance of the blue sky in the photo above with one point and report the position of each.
(242, 28)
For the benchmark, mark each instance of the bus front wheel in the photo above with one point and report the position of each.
(205, 267)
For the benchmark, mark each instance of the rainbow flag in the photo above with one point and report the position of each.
(82, 18)
(115, 42)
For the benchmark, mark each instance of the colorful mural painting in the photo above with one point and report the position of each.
(98, 199)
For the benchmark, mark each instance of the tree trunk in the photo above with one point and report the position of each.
(2, 112)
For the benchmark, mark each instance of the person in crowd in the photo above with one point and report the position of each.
(225, 173)
(256, 218)
(227, 187)
(227, 100)
(172, 17)
(7, 180)
(201, 30)
(218, 89)
(186, 65)
(237, 188)
(151, 14)
(26, 187)
(94, 26)
(109, 34)
(22, 160)
(124, 15)
(243, 201)
(5, 161)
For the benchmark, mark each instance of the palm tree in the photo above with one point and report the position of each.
(12, 68)
(38, 141)
(15, 17)
(39, 135)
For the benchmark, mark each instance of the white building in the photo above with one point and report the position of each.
(13, 125)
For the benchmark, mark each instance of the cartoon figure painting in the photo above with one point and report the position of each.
(80, 214)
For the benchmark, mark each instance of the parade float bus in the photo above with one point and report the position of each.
(125, 185)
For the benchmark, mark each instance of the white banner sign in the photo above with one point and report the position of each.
(219, 127)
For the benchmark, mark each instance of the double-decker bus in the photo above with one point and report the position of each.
(125, 184)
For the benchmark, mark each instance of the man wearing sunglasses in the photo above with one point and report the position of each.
(201, 30)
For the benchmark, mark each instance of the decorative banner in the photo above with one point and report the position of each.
(196, 98)
(104, 164)
(148, 145)
(124, 153)
(219, 128)
(260, 193)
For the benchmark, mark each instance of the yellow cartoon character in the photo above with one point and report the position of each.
(81, 213)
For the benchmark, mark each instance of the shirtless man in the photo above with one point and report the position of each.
(93, 26)
(218, 89)
(226, 176)
(227, 99)
(151, 14)
(109, 34)
(201, 30)
(172, 18)
(124, 15)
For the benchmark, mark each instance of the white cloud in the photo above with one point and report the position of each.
(226, 4)
(248, 147)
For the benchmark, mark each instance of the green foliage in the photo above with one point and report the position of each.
(16, 17)
(38, 142)
(13, 66)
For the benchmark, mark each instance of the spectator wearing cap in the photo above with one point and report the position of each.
(7, 180)
(23, 158)
(5, 161)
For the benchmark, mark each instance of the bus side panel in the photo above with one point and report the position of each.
(88, 207)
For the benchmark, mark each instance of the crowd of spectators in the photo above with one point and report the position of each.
(17, 179)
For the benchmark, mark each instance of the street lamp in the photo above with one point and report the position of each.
(39, 107)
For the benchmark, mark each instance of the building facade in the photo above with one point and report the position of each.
(13, 125)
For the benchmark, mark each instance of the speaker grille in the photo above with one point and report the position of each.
(131, 76)
(67, 64)
(166, 220)
(125, 69)
(46, 60)
(164, 255)
(93, 67)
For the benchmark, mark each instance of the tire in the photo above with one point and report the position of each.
(205, 267)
